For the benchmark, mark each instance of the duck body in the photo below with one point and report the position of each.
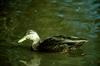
(60, 43)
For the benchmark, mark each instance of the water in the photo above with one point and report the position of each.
(49, 17)
(22, 56)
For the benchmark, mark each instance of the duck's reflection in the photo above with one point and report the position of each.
(35, 61)
(50, 59)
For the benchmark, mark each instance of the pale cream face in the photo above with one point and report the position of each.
(31, 35)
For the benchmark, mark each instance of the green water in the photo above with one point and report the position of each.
(49, 17)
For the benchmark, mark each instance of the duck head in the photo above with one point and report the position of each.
(33, 36)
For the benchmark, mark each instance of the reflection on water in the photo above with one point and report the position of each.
(34, 61)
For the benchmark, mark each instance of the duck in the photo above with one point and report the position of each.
(56, 43)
